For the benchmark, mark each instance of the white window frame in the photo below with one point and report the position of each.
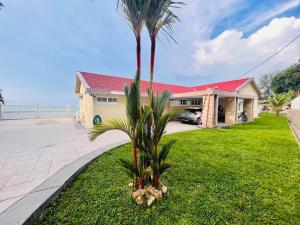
(107, 102)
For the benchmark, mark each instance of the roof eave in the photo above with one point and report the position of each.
(80, 78)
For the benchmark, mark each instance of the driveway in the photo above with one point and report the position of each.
(33, 150)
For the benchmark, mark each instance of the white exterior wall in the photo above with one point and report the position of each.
(296, 103)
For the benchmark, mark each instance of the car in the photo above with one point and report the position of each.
(191, 115)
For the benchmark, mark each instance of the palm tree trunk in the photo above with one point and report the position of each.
(138, 56)
(152, 60)
(138, 64)
(155, 172)
(135, 163)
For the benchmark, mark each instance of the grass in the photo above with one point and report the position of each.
(245, 174)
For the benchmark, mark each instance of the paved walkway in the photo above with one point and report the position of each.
(33, 150)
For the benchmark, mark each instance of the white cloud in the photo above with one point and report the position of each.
(231, 54)
(258, 19)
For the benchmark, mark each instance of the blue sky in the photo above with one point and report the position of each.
(44, 43)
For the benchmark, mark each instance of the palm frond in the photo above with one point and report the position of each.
(132, 94)
(129, 168)
(277, 101)
(165, 151)
(161, 123)
(163, 167)
(113, 124)
(160, 16)
(159, 104)
(134, 12)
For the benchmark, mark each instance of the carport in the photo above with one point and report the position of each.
(219, 108)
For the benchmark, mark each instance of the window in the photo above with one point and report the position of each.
(107, 100)
(191, 102)
(112, 100)
(182, 101)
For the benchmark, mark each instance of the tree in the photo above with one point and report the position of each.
(265, 84)
(128, 125)
(1, 5)
(277, 101)
(286, 80)
(135, 12)
(159, 17)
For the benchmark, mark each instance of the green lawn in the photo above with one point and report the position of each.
(245, 174)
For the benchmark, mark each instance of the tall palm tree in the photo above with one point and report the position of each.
(159, 17)
(135, 12)
(277, 101)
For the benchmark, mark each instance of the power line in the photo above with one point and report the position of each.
(270, 57)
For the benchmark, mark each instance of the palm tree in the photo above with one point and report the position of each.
(159, 17)
(129, 125)
(277, 101)
(160, 120)
(1, 5)
(135, 12)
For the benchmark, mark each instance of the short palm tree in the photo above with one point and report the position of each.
(159, 17)
(160, 120)
(128, 125)
(277, 101)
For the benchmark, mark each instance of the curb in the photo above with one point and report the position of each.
(33, 204)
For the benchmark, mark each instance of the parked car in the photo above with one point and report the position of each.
(191, 115)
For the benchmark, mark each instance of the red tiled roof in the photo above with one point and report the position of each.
(114, 83)
(231, 85)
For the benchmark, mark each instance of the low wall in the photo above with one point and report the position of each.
(293, 116)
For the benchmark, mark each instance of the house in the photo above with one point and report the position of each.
(221, 102)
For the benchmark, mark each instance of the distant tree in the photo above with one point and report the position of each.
(1, 98)
(290, 96)
(1, 5)
(265, 84)
(286, 80)
(277, 101)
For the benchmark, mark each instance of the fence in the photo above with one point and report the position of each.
(35, 111)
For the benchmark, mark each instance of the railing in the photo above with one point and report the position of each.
(14, 112)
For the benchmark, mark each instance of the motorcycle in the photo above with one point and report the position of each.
(243, 117)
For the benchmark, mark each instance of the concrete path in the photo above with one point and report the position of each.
(31, 151)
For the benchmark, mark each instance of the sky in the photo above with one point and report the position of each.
(43, 43)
